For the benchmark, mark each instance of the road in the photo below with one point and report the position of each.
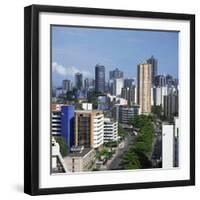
(115, 163)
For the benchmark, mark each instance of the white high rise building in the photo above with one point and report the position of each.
(176, 142)
(160, 92)
(110, 130)
(87, 106)
(117, 86)
(89, 128)
(167, 146)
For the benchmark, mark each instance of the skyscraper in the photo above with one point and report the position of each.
(89, 84)
(129, 82)
(171, 105)
(116, 73)
(154, 68)
(160, 81)
(144, 87)
(129, 95)
(117, 86)
(67, 124)
(78, 80)
(99, 78)
(126, 113)
(66, 85)
(62, 122)
(89, 128)
(169, 80)
(167, 145)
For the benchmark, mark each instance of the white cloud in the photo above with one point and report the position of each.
(69, 71)
(59, 69)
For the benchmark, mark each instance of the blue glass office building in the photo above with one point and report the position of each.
(67, 124)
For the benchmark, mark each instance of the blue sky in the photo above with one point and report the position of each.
(80, 49)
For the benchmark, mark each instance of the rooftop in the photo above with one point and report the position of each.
(88, 111)
(80, 152)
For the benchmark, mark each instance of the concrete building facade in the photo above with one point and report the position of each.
(167, 146)
(126, 113)
(89, 128)
(144, 87)
(154, 69)
(117, 86)
(80, 159)
(79, 80)
(110, 130)
(100, 78)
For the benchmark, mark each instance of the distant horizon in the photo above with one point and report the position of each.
(76, 49)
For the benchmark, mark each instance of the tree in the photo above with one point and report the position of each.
(157, 111)
(130, 160)
(138, 154)
(94, 101)
(63, 146)
(121, 132)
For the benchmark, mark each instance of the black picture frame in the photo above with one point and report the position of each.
(31, 98)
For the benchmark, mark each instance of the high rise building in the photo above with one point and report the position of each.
(154, 68)
(115, 112)
(62, 122)
(129, 82)
(176, 142)
(167, 146)
(110, 130)
(171, 105)
(160, 81)
(160, 92)
(78, 80)
(66, 86)
(175, 82)
(129, 94)
(117, 86)
(116, 73)
(67, 124)
(170, 144)
(169, 80)
(125, 93)
(89, 128)
(55, 120)
(126, 113)
(100, 78)
(89, 84)
(144, 87)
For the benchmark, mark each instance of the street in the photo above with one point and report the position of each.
(115, 162)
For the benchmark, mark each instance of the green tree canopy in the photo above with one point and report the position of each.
(63, 146)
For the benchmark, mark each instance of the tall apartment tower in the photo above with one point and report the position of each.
(99, 78)
(167, 146)
(62, 122)
(66, 85)
(79, 80)
(116, 73)
(144, 78)
(89, 128)
(154, 68)
(117, 86)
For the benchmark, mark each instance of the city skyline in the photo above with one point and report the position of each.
(122, 112)
(80, 49)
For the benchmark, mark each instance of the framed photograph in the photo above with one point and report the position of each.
(109, 100)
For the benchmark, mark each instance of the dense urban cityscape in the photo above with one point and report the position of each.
(115, 123)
